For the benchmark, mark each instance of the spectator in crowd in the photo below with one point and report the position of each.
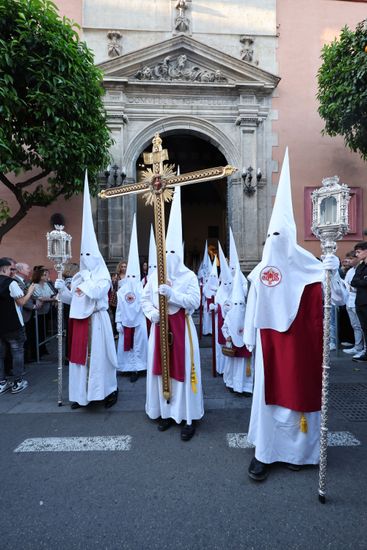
(359, 282)
(44, 294)
(358, 349)
(121, 272)
(12, 332)
(144, 273)
(22, 276)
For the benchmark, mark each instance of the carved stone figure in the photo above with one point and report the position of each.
(247, 52)
(182, 23)
(171, 69)
(114, 45)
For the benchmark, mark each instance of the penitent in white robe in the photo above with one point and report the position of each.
(97, 380)
(136, 358)
(275, 430)
(184, 403)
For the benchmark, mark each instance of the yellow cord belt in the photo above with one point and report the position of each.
(193, 376)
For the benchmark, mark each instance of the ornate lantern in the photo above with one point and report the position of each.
(59, 252)
(329, 224)
(58, 247)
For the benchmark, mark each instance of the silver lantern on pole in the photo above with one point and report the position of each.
(59, 252)
(329, 224)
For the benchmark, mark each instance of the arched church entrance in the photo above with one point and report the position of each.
(204, 205)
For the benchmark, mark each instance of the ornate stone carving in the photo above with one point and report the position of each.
(171, 69)
(247, 52)
(182, 23)
(114, 44)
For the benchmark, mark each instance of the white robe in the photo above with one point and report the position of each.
(275, 430)
(97, 380)
(135, 359)
(234, 375)
(207, 318)
(184, 403)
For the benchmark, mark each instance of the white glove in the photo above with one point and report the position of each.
(250, 347)
(226, 307)
(59, 284)
(212, 307)
(154, 317)
(119, 327)
(330, 261)
(165, 290)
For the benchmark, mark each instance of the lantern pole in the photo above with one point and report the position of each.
(329, 224)
(59, 251)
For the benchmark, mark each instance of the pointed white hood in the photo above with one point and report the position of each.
(285, 268)
(152, 256)
(203, 271)
(226, 279)
(235, 317)
(129, 294)
(233, 255)
(90, 257)
(175, 265)
(211, 286)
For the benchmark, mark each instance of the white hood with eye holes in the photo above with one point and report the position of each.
(286, 268)
(129, 294)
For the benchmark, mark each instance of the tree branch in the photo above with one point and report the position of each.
(13, 188)
(12, 222)
(31, 180)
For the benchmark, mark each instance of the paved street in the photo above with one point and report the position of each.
(151, 490)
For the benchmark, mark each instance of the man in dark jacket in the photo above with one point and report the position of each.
(359, 282)
(12, 328)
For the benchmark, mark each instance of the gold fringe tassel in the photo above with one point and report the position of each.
(193, 376)
(248, 367)
(303, 424)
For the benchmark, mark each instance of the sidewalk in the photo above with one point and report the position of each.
(348, 389)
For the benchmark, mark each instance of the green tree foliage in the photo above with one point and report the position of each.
(52, 121)
(342, 88)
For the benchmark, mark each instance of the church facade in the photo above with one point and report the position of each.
(222, 82)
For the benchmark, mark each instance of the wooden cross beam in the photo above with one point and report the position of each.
(158, 184)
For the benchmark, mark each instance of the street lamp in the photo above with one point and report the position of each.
(59, 252)
(115, 169)
(329, 224)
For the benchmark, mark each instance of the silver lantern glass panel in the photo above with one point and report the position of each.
(329, 224)
(59, 252)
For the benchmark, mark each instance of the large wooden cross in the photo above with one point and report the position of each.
(158, 184)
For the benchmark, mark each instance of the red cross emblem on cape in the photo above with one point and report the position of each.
(270, 276)
(130, 297)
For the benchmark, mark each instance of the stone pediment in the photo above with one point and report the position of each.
(184, 60)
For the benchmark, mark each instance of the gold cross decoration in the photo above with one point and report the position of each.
(157, 185)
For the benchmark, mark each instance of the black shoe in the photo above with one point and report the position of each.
(165, 423)
(134, 376)
(293, 467)
(75, 405)
(111, 399)
(361, 359)
(258, 470)
(187, 432)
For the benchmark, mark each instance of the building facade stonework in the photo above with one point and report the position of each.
(173, 82)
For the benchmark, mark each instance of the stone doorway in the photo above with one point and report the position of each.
(204, 205)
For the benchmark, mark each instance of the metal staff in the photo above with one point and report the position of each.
(59, 252)
(329, 224)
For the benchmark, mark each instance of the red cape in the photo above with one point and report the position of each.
(293, 359)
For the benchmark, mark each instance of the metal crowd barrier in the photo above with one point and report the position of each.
(49, 321)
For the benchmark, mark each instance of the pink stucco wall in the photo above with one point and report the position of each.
(305, 25)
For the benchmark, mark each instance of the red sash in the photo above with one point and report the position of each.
(242, 351)
(221, 339)
(293, 359)
(176, 325)
(78, 340)
(129, 338)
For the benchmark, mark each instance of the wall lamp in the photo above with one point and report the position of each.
(248, 188)
(114, 170)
